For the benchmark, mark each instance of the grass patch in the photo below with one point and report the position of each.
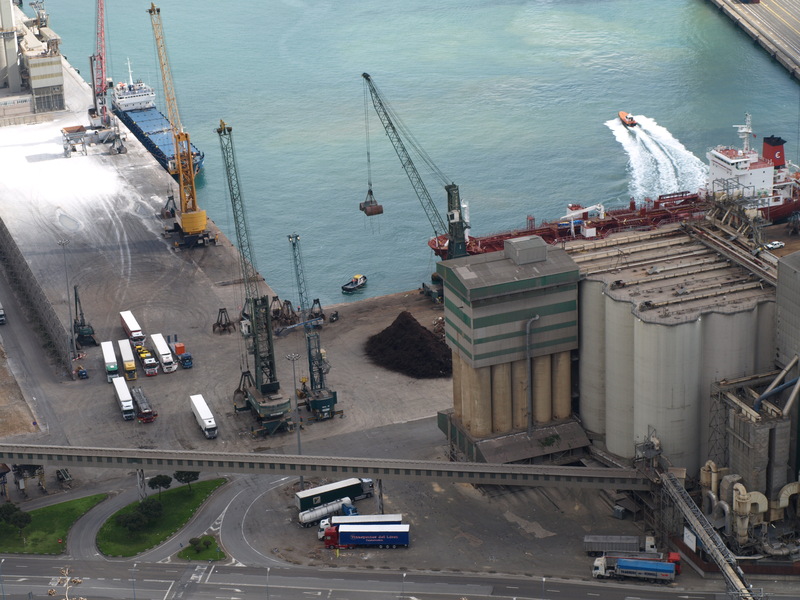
(179, 506)
(47, 526)
(209, 550)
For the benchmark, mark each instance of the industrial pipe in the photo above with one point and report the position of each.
(779, 377)
(787, 409)
(772, 392)
(530, 371)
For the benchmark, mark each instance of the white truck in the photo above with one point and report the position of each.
(163, 353)
(124, 398)
(128, 362)
(203, 416)
(391, 519)
(110, 361)
(343, 505)
(132, 328)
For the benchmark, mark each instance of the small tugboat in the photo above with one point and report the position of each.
(356, 283)
(627, 119)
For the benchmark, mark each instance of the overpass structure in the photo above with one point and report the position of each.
(274, 464)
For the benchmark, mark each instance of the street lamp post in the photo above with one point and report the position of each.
(294, 357)
(542, 587)
(267, 583)
(402, 587)
(64, 242)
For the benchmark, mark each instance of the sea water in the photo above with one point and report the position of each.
(514, 101)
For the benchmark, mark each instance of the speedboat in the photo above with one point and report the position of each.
(356, 283)
(627, 119)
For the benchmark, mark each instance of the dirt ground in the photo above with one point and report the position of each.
(15, 414)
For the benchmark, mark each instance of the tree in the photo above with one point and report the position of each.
(6, 510)
(150, 508)
(20, 520)
(186, 477)
(160, 482)
(133, 521)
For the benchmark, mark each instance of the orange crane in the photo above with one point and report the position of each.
(190, 222)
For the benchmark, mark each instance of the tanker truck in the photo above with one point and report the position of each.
(307, 518)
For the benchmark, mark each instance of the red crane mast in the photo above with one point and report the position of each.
(98, 66)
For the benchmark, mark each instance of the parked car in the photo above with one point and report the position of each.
(775, 245)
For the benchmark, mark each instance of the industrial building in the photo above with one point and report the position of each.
(31, 70)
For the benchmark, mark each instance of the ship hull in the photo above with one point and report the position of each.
(154, 131)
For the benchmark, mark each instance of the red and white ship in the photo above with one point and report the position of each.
(766, 183)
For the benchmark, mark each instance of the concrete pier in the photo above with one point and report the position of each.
(774, 26)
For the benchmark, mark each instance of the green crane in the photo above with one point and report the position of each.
(262, 391)
(455, 232)
(319, 399)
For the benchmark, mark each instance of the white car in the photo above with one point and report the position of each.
(775, 245)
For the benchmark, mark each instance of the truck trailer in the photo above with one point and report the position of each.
(132, 328)
(110, 361)
(124, 399)
(354, 488)
(149, 363)
(392, 519)
(313, 515)
(352, 536)
(630, 568)
(203, 416)
(163, 353)
(672, 557)
(597, 545)
(144, 412)
(128, 362)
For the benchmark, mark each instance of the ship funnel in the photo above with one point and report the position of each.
(773, 150)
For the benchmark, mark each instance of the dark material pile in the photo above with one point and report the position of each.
(408, 348)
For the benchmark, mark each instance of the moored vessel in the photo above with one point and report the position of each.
(356, 283)
(134, 104)
(765, 183)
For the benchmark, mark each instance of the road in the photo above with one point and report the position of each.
(146, 581)
(774, 24)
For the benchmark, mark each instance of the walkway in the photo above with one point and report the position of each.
(774, 24)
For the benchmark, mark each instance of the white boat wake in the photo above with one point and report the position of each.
(658, 163)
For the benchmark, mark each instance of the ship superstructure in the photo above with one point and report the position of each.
(134, 103)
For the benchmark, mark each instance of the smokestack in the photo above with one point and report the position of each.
(773, 150)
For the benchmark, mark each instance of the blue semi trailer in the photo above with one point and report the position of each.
(381, 536)
(621, 568)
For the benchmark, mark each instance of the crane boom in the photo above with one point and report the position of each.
(261, 395)
(98, 64)
(192, 220)
(257, 307)
(457, 226)
(319, 399)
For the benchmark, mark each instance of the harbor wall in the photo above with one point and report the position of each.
(41, 313)
(787, 56)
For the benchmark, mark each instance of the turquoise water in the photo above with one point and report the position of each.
(514, 101)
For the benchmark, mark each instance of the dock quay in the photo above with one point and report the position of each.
(773, 24)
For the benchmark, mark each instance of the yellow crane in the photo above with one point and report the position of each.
(191, 221)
